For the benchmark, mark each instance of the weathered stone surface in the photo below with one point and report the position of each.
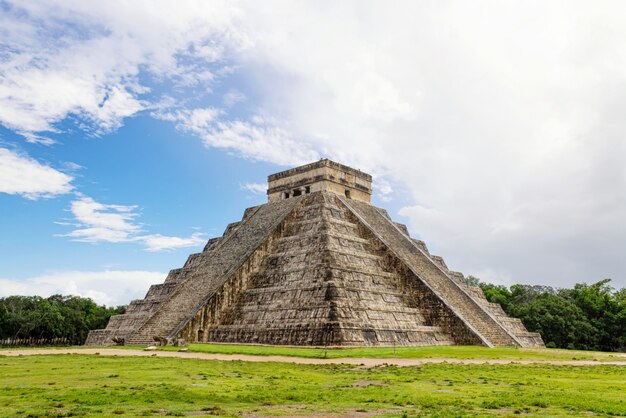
(318, 269)
(322, 175)
(325, 281)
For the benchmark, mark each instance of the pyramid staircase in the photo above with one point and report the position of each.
(316, 270)
(317, 265)
(324, 283)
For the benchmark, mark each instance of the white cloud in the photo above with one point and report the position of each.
(233, 97)
(383, 189)
(196, 121)
(254, 188)
(37, 139)
(98, 222)
(82, 59)
(259, 139)
(72, 167)
(109, 287)
(22, 175)
(159, 242)
(500, 122)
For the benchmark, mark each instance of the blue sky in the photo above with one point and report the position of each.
(127, 139)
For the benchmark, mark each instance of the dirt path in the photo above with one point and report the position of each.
(365, 362)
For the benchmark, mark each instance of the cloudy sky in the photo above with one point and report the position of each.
(131, 132)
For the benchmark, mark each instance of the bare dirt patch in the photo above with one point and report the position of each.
(359, 362)
(351, 413)
(365, 383)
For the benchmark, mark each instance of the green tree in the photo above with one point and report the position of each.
(604, 309)
(590, 317)
(58, 316)
(559, 321)
(497, 294)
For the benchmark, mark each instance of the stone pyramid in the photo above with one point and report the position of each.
(317, 265)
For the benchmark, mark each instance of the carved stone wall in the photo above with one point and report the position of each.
(325, 281)
(317, 270)
(323, 175)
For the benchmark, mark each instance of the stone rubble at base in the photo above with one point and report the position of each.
(317, 265)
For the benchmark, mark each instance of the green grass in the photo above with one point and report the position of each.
(440, 352)
(452, 352)
(457, 352)
(81, 385)
(37, 347)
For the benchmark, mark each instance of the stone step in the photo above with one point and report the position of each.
(322, 286)
(304, 236)
(308, 325)
(299, 226)
(232, 252)
(468, 310)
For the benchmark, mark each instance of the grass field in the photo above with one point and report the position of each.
(458, 352)
(441, 352)
(83, 385)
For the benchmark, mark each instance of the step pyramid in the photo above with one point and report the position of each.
(317, 265)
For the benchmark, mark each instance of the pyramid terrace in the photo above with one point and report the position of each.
(317, 265)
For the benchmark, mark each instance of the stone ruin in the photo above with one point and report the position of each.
(317, 265)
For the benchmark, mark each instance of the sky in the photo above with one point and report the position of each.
(132, 132)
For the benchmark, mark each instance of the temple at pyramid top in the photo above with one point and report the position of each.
(317, 265)
(323, 175)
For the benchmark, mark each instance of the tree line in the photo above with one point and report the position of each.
(586, 317)
(55, 317)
